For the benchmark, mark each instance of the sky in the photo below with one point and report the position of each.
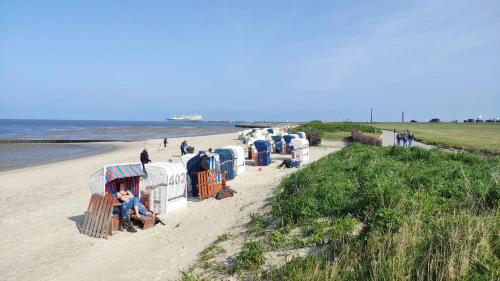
(250, 60)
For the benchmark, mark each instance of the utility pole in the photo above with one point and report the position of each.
(371, 115)
(402, 117)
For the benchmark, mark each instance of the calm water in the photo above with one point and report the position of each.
(106, 130)
(22, 154)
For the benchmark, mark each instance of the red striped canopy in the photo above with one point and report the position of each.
(131, 184)
(123, 171)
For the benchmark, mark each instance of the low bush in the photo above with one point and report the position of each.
(209, 253)
(357, 136)
(257, 224)
(251, 256)
(276, 239)
(320, 129)
(313, 138)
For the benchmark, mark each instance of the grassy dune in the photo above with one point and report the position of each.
(483, 137)
(377, 213)
(425, 215)
(387, 213)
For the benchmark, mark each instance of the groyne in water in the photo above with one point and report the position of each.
(61, 141)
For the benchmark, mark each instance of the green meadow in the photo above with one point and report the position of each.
(482, 137)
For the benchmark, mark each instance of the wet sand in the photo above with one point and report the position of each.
(18, 155)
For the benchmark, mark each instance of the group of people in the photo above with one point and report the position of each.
(145, 156)
(184, 146)
(406, 138)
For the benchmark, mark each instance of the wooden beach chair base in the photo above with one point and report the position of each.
(146, 221)
(116, 223)
(208, 185)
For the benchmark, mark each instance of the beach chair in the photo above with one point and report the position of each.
(100, 220)
(263, 157)
(168, 191)
(227, 162)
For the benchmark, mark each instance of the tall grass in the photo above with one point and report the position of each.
(426, 215)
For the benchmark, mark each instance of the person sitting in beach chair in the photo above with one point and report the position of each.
(129, 201)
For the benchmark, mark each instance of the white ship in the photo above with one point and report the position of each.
(194, 117)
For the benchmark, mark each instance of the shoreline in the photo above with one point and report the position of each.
(62, 196)
(6, 145)
(114, 147)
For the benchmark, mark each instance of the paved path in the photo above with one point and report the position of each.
(388, 140)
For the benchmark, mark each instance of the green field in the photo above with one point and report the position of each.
(483, 137)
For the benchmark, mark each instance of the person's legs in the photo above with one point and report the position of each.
(126, 206)
(144, 211)
(135, 202)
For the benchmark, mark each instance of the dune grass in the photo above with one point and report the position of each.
(480, 137)
(420, 215)
(374, 213)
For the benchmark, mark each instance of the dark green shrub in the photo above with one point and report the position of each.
(320, 128)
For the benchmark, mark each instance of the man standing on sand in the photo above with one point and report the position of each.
(145, 159)
(165, 141)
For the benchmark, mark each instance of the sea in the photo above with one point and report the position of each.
(26, 143)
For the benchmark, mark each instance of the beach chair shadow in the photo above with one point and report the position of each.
(78, 220)
(193, 198)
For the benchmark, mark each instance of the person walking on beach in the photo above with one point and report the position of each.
(165, 141)
(145, 159)
(184, 148)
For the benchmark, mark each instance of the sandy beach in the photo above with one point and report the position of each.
(42, 206)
